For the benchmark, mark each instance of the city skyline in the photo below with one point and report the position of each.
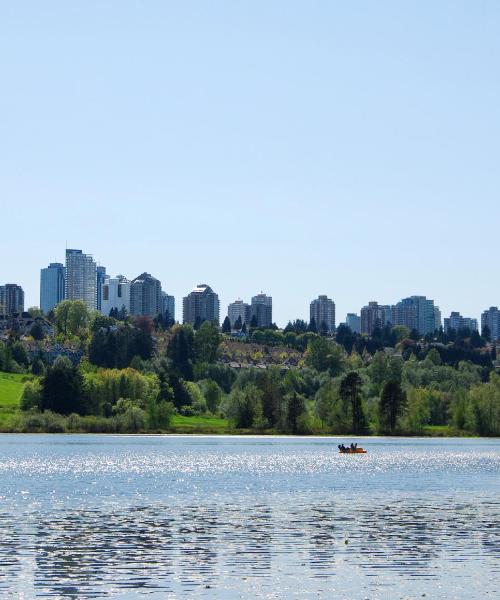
(32, 297)
(337, 150)
(406, 310)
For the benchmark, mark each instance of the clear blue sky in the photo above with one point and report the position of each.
(299, 148)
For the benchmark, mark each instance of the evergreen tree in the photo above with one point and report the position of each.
(37, 332)
(295, 407)
(121, 314)
(63, 388)
(180, 350)
(226, 325)
(299, 326)
(351, 396)
(312, 326)
(392, 404)
(345, 337)
(168, 320)
(238, 323)
(37, 367)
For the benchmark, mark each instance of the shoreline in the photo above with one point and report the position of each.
(253, 434)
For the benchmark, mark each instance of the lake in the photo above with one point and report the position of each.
(99, 516)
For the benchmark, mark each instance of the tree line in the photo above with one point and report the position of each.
(137, 374)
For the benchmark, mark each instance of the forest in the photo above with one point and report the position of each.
(148, 375)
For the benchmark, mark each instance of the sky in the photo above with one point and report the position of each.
(296, 148)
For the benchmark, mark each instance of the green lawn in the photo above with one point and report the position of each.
(201, 424)
(11, 389)
(444, 431)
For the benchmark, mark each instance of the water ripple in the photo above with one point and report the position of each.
(96, 519)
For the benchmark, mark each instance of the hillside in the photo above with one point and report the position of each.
(249, 354)
(11, 389)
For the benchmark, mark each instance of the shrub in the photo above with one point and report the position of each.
(46, 422)
(133, 421)
(32, 395)
(160, 414)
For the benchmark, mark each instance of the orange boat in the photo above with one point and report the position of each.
(351, 451)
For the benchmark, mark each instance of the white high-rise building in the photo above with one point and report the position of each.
(115, 294)
(81, 278)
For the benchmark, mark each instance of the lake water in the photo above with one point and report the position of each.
(84, 516)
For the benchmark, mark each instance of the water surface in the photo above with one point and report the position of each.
(84, 516)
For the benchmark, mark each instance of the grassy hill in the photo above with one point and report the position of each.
(11, 389)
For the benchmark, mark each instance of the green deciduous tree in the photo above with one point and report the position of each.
(72, 317)
(213, 395)
(485, 407)
(206, 342)
(244, 405)
(323, 355)
(159, 414)
(19, 354)
(401, 332)
(32, 395)
(418, 412)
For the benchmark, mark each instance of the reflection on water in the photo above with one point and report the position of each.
(124, 536)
